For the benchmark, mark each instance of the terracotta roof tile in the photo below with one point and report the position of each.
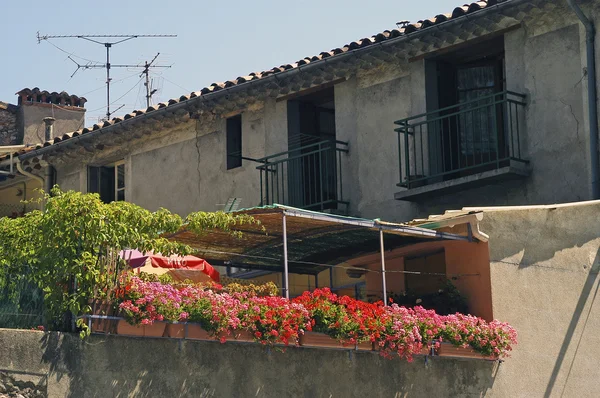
(36, 92)
(365, 42)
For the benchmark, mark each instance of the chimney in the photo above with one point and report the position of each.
(49, 121)
(35, 105)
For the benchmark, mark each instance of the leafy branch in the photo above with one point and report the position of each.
(70, 250)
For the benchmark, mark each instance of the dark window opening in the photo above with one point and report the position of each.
(108, 181)
(234, 142)
(312, 168)
(468, 136)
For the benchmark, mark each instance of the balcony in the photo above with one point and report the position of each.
(308, 176)
(466, 145)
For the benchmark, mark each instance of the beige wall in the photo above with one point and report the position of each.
(544, 273)
(12, 195)
(68, 119)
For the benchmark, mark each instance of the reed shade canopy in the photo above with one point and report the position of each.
(315, 241)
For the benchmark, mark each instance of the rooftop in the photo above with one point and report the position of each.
(387, 35)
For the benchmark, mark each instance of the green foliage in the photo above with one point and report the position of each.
(264, 290)
(201, 221)
(70, 250)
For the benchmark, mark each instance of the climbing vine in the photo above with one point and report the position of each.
(70, 250)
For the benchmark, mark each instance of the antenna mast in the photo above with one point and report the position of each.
(149, 90)
(108, 45)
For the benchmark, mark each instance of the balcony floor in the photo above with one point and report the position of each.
(515, 169)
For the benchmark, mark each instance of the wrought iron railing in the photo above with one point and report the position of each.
(308, 176)
(463, 139)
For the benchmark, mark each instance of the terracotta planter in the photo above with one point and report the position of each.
(424, 350)
(314, 339)
(366, 346)
(241, 336)
(450, 350)
(157, 329)
(175, 330)
(194, 331)
(103, 308)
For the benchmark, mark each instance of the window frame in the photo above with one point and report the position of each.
(117, 189)
(108, 193)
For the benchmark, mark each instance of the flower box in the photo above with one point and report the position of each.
(424, 350)
(365, 346)
(194, 331)
(450, 350)
(157, 329)
(315, 339)
(102, 308)
(239, 335)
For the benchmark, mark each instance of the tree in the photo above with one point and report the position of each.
(70, 250)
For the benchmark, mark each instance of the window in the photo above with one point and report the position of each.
(234, 142)
(468, 134)
(108, 181)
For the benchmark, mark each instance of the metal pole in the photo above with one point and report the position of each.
(383, 281)
(331, 277)
(147, 84)
(107, 45)
(285, 259)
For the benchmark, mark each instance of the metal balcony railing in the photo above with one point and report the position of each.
(307, 177)
(463, 139)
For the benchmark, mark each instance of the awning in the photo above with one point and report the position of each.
(315, 241)
(180, 267)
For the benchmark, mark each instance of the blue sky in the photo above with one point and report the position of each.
(217, 41)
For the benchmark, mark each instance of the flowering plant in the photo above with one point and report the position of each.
(341, 317)
(146, 302)
(217, 313)
(274, 320)
(394, 329)
(493, 339)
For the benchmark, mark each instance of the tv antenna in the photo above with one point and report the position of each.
(146, 72)
(116, 39)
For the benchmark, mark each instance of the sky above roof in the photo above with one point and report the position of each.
(216, 41)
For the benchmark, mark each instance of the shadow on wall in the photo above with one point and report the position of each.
(590, 289)
(104, 366)
(531, 237)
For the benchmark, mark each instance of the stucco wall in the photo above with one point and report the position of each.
(11, 197)
(188, 172)
(544, 272)
(31, 116)
(122, 366)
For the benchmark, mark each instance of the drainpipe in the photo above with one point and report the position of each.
(590, 33)
(28, 174)
(49, 171)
